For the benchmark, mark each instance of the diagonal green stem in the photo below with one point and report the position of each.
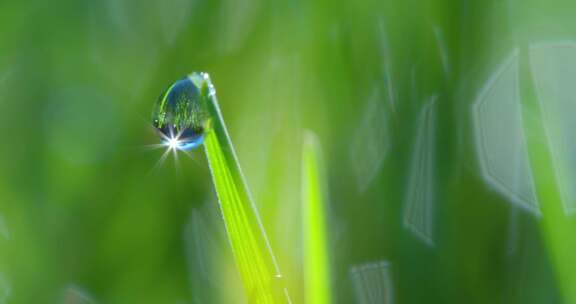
(252, 252)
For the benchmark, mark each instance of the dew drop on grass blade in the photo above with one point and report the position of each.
(187, 115)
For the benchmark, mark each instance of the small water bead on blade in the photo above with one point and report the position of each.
(187, 115)
(180, 115)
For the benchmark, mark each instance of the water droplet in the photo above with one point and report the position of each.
(181, 114)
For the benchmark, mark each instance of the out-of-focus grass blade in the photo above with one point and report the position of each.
(254, 258)
(316, 263)
(556, 226)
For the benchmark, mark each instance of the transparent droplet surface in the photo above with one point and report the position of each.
(180, 114)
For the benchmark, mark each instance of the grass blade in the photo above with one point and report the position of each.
(254, 258)
(316, 263)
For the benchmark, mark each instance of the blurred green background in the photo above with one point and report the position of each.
(88, 214)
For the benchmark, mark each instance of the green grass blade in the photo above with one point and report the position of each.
(254, 258)
(316, 263)
(556, 227)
